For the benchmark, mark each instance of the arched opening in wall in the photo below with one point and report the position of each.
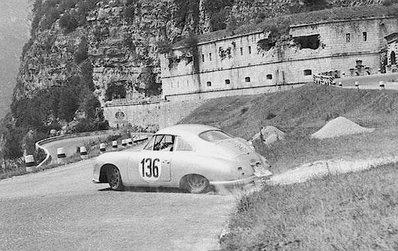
(208, 83)
(247, 79)
(227, 81)
(307, 72)
(269, 76)
(393, 58)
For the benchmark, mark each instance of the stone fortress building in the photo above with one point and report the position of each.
(223, 64)
(250, 61)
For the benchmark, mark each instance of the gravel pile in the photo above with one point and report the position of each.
(339, 127)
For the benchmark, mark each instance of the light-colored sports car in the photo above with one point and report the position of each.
(196, 158)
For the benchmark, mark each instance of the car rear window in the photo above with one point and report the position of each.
(214, 135)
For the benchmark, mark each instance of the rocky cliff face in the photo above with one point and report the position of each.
(117, 43)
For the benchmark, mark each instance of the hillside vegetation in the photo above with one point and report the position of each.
(301, 112)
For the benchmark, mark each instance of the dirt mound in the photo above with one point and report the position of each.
(339, 127)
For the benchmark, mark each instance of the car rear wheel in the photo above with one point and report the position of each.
(195, 183)
(114, 178)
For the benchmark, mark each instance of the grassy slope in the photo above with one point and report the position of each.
(301, 112)
(348, 212)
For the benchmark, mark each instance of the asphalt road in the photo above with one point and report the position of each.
(61, 209)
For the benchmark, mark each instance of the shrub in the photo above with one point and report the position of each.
(68, 23)
(81, 53)
(129, 13)
(387, 2)
(115, 90)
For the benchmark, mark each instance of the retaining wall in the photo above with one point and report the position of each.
(162, 114)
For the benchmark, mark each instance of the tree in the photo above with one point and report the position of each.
(68, 23)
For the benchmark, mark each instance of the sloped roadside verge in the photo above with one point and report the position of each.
(322, 168)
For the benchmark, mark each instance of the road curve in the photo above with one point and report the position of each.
(61, 209)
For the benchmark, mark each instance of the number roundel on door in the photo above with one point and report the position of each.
(150, 169)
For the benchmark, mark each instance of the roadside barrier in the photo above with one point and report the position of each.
(29, 163)
(124, 142)
(61, 155)
(139, 140)
(102, 147)
(114, 144)
(323, 80)
(130, 141)
(357, 84)
(83, 152)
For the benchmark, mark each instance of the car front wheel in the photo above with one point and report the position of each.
(115, 179)
(195, 183)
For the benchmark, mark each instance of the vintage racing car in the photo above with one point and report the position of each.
(192, 157)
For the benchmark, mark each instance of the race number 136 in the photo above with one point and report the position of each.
(150, 168)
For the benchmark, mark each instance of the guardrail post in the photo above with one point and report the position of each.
(30, 163)
(130, 141)
(83, 152)
(357, 84)
(124, 142)
(61, 155)
(114, 144)
(102, 147)
(382, 85)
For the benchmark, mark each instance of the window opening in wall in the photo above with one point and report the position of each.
(241, 51)
(203, 57)
(208, 83)
(307, 72)
(210, 56)
(348, 37)
(250, 50)
(393, 59)
(308, 42)
(247, 79)
(365, 36)
(227, 81)
(269, 76)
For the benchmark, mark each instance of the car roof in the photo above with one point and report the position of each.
(186, 129)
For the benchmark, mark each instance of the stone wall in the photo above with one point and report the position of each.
(160, 114)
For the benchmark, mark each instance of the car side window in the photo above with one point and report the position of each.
(182, 145)
(163, 143)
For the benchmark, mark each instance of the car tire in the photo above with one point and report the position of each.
(195, 183)
(115, 179)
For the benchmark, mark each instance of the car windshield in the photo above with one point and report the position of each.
(214, 135)
(149, 145)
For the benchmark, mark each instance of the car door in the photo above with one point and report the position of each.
(152, 166)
